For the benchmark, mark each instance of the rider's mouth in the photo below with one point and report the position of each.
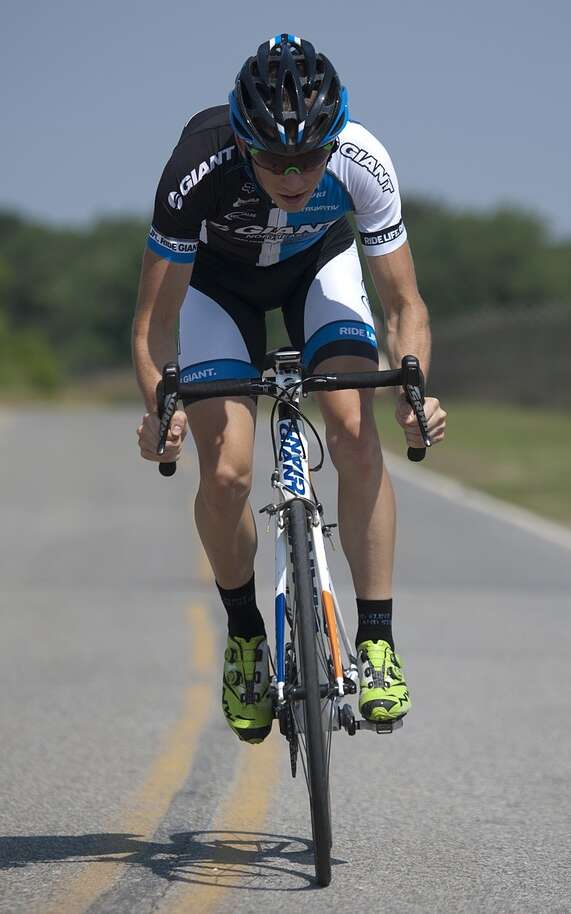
(293, 198)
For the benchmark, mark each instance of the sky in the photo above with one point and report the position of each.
(471, 99)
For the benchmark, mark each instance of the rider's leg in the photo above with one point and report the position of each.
(336, 329)
(366, 502)
(213, 344)
(367, 532)
(224, 434)
(217, 337)
(339, 335)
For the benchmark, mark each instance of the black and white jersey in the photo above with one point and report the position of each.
(208, 195)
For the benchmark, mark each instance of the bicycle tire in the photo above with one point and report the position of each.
(317, 773)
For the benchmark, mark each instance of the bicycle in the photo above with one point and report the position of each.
(316, 667)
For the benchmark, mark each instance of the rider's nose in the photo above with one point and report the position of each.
(293, 183)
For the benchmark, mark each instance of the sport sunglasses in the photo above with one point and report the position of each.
(292, 165)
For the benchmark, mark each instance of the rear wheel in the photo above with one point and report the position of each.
(310, 720)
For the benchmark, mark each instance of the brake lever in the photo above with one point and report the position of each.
(413, 384)
(167, 399)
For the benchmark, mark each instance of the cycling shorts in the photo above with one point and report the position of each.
(222, 327)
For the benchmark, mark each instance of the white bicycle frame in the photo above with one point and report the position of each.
(292, 480)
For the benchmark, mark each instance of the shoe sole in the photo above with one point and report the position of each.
(255, 735)
(384, 717)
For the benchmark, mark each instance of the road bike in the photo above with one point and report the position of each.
(314, 664)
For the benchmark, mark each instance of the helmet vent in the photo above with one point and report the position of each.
(285, 85)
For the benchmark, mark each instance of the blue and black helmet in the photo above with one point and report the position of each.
(288, 98)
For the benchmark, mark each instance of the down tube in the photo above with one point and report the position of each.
(281, 555)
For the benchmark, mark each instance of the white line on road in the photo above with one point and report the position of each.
(463, 495)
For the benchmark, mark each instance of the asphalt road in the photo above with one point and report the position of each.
(122, 789)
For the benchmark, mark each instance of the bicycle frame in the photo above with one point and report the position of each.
(292, 479)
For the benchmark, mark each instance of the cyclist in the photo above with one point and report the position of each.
(250, 214)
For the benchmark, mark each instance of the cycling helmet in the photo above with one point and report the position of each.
(288, 98)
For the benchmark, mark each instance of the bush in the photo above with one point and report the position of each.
(27, 362)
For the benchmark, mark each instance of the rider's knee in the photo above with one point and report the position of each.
(226, 485)
(353, 443)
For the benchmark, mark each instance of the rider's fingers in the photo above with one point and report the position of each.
(438, 418)
(415, 439)
(437, 435)
(150, 453)
(405, 415)
(179, 423)
(148, 435)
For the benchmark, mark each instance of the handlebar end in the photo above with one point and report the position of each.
(416, 454)
(167, 469)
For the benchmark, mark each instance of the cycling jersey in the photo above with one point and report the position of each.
(208, 196)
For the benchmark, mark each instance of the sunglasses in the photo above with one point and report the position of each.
(292, 165)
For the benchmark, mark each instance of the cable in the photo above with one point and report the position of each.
(286, 396)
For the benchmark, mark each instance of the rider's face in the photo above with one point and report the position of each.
(291, 192)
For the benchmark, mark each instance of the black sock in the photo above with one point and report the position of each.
(375, 621)
(244, 617)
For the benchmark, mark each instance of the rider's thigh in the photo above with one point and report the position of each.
(332, 315)
(219, 339)
(216, 342)
(223, 430)
(348, 414)
(335, 327)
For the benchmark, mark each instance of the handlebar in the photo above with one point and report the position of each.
(408, 376)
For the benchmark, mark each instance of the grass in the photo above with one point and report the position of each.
(519, 454)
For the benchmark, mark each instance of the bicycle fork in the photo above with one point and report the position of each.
(331, 613)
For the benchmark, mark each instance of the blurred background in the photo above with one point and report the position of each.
(472, 103)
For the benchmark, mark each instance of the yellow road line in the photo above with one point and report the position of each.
(244, 809)
(167, 775)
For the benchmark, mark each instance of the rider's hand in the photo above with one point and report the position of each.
(435, 416)
(148, 434)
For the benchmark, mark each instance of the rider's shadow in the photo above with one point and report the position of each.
(229, 859)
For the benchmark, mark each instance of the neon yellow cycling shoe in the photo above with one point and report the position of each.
(383, 691)
(246, 699)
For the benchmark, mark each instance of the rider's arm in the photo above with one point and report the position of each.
(162, 288)
(407, 321)
(167, 268)
(365, 167)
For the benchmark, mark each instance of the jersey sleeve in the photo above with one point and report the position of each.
(370, 177)
(180, 208)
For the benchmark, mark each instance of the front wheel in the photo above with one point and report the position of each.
(308, 713)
